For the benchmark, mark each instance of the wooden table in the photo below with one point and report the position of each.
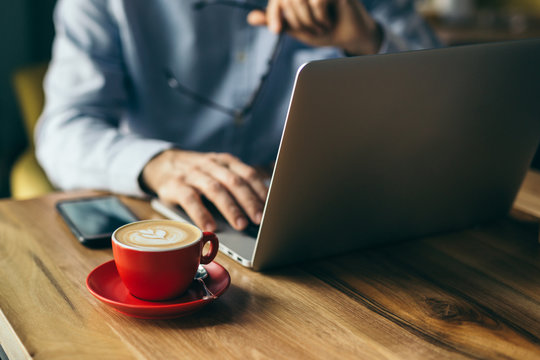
(473, 294)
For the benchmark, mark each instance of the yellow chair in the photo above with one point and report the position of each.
(531, 7)
(27, 179)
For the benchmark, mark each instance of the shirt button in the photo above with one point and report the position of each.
(241, 56)
(239, 120)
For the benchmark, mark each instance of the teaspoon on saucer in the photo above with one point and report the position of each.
(201, 273)
(200, 276)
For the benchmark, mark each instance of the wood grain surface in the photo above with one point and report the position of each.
(468, 295)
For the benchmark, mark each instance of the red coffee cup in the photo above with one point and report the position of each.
(158, 259)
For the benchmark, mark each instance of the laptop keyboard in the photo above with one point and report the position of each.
(252, 230)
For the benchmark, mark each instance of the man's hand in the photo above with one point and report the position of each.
(340, 23)
(181, 177)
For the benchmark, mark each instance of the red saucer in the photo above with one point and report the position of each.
(105, 284)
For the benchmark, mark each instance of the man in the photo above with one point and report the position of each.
(177, 97)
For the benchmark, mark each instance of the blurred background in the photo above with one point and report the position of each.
(460, 22)
(27, 32)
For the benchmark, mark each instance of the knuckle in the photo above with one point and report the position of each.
(228, 157)
(251, 174)
(196, 167)
(234, 180)
(180, 178)
(207, 163)
(213, 186)
(188, 196)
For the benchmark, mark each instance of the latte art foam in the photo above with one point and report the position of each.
(157, 235)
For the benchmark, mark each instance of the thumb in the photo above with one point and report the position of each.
(256, 18)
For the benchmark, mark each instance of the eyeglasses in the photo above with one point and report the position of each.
(237, 114)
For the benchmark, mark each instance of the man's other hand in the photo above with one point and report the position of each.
(340, 23)
(181, 177)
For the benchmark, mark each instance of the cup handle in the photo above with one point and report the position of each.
(214, 247)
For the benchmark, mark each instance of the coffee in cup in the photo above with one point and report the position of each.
(158, 259)
(157, 235)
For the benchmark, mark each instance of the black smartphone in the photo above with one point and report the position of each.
(93, 219)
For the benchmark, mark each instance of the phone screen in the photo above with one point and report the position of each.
(93, 220)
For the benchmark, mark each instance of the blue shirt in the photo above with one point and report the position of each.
(110, 109)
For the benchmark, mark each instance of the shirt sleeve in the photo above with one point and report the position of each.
(79, 138)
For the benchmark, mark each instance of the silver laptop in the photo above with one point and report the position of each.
(385, 148)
